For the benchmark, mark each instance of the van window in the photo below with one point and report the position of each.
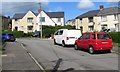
(60, 32)
(87, 36)
(103, 36)
(56, 33)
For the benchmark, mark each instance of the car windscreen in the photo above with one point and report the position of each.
(103, 36)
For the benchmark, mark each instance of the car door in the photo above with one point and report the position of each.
(86, 41)
(80, 41)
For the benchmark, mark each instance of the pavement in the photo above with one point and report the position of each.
(16, 58)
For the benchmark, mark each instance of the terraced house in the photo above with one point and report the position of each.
(96, 20)
(31, 22)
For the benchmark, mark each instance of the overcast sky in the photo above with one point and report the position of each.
(71, 8)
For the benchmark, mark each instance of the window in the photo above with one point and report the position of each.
(29, 27)
(60, 32)
(93, 36)
(87, 36)
(90, 28)
(16, 19)
(56, 33)
(30, 20)
(103, 18)
(104, 27)
(81, 20)
(115, 16)
(103, 36)
(90, 19)
(42, 19)
(59, 19)
(16, 28)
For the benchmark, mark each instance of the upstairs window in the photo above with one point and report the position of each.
(42, 19)
(103, 18)
(90, 28)
(90, 19)
(29, 19)
(80, 20)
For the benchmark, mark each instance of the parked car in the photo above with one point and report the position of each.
(36, 34)
(8, 37)
(66, 37)
(94, 41)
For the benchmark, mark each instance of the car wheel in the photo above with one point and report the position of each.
(91, 50)
(55, 42)
(76, 47)
(63, 43)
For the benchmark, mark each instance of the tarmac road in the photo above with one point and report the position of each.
(47, 54)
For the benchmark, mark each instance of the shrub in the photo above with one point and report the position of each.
(115, 36)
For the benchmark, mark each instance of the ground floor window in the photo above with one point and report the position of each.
(104, 27)
(117, 27)
(16, 28)
(90, 28)
(29, 27)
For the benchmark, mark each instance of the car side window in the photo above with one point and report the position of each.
(82, 37)
(60, 32)
(93, 36)
(87, 36)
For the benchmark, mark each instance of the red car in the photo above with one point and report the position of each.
(94, 41)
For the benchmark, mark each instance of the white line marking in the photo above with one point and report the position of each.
(40, 66)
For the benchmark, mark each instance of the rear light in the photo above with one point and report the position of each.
(67, 38)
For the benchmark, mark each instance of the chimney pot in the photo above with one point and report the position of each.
(101, 7)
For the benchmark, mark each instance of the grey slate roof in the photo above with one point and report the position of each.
(89, 14)
(19, 15)
(50, 14)
(55, 14)
(109, 11)
(106, 11)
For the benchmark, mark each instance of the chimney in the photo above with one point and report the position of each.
(101, 7)
(39, 11)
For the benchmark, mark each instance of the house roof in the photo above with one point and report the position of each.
(89, 14)
(105, 11)
(55, 14)
(108, 11)
(50, 14)
(19, 15)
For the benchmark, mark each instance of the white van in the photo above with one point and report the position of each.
(66, 37)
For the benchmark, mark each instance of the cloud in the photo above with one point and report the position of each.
(17, 7)
(113, 2)
(56, 9)
(85, 4)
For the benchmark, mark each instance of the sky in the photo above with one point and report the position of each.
(71, 8)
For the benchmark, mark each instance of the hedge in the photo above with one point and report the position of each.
(115, 36)
(17, 34)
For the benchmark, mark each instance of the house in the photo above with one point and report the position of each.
(31, 22)
(6, 22)
(96, 20)
(25, 22)
(50, 18)
(71, 22)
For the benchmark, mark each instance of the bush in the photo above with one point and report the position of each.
(17, 34)
(115, 36)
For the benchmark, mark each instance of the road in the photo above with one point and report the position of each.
(47, 54)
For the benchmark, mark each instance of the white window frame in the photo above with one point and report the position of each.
(104, 18)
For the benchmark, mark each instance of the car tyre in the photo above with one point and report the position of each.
(91, 50)
(76, 47)
(63, 44)
(55, 42)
